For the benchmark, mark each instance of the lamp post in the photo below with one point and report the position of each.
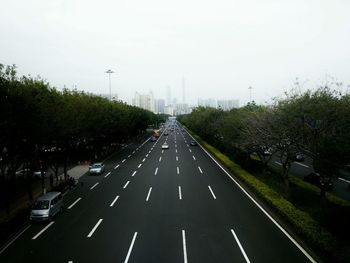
(250, 94)
(109, 72)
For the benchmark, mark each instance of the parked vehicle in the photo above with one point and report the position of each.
(299, 157)
(320, 181)
(47, 206)
(96, 168)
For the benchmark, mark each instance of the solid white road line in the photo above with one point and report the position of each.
(199, 168)
(156, 171)
(177, 158)
(139, 165)
(184, 245)
(43, 230)
(126, 184)
(240, 246)
(180, 194)
(133, 174)
(14, 239)
(144, 159)
(115, 200)
(76, 201)
(177, 169)
(261, 208)
(116, 166)
(92, 187)
(107, 174)
(278, 163)
(160, 158)
(301, 164)
(149, 193)
(124, 160)
(130, 248)
(344, 180)
(194, 158)
(95, 227)
(212, 193)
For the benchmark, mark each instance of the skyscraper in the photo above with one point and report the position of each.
(168, 96)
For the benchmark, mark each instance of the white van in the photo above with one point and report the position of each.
(47, 206)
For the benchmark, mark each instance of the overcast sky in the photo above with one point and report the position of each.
(221, 47)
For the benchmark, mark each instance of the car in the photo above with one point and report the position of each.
(47, 206)
(23, 172)
(165, 146)
(318, 180)
(96, 168)
(193, 143)
(153, 139)
(299, 157)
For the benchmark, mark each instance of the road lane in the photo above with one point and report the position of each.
(163, 222)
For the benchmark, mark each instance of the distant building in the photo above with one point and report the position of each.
(207, 103)
(227, 105)
(144, 101)
(181, 108)
(169, 110)
(159, 105)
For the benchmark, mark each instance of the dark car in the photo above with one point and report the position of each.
(193, 143)
(299, 157)
(153, 139)
(318, 180)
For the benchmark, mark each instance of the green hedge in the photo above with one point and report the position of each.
(301, 221)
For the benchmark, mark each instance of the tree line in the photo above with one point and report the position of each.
(315, 123)
(43, 127)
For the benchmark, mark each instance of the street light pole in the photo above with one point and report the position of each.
(109, 72)
(250, 94)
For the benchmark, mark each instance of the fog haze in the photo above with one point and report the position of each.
(220, 47)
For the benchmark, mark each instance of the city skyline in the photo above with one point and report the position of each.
(221, 51)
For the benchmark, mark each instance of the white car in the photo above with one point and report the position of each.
(165, 146)
(96, 168)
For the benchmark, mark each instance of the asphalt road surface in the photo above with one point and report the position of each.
(154, 205)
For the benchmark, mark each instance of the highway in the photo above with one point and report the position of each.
(154, 205)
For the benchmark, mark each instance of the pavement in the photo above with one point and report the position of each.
(155, 205)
